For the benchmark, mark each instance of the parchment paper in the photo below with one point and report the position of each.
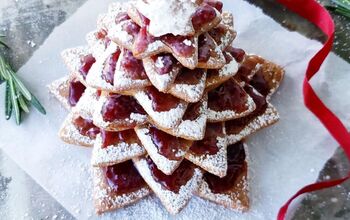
(284, 157)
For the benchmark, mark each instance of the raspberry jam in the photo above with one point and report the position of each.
(119, 107)
(121, 17)
(237, 53)
(216, 4)
(142, 40)
(180, 45)
(109, 67)
(168, 145)
(102, 35)
(86, 127)
(228, 96)
(212, 74)
(260, 83)
(174, 181)
(86, 64)
(161, 102)
(235, 159)
(228, 57)
(164, 63)
(124, 178)
(112, 138)
(132, 66)
(192, 111)
(245, 71)
(209, 144)
(144, 20)
(205, 47)
(189, 77)
(217, 33)
(235, 126)
(131, 28)
(76, 90)
(203, 15)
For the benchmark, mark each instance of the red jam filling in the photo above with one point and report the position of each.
(209, 144)
(217, 34)
(164, 63)
(189, 77)
(203, 15)
(132, 66)
(86, 127)
(112, 138)
(76, 90)
(142, 40)
(119, 107)
(109, 67)
(228, 57)
(235, 126)
(168, 145)
(205, 47)
(235, 159)
(161, 102)
(237, 53)
(121, 17)
(228, 96)
(131, 28)
(102, 35)
(124, 178)
(192, 111)
(260, 83)
(216, 4)
(174, 181)
(86, 64)
(144, 20)
(245, 71)
(180, 45)
(212, 73)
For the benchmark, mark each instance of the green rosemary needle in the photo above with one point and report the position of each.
(18, 98)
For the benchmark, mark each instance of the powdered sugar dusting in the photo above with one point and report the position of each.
(226, 115)
(71, 57)
(172, 17)
(123, 81)
(97, 46)
(164, 164)
(94, 78)
(269, 117)
(167, 119)
(161, 82)
(215, 164)
(114, 154)
(188, 92)
(173, 202)
(70, 134)
(193, 129)
(87, 103)
(59, 88)
(229, 69)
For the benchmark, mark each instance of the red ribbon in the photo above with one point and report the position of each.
(316, 14)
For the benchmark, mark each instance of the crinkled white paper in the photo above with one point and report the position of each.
(284, 157)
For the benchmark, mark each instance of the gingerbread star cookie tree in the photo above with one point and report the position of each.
(166, 103)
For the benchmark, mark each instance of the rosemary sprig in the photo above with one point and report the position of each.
(341, 7)
(18, 98)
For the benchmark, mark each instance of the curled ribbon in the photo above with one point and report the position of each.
(316, 14)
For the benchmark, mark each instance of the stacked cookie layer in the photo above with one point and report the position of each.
(166, 102)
